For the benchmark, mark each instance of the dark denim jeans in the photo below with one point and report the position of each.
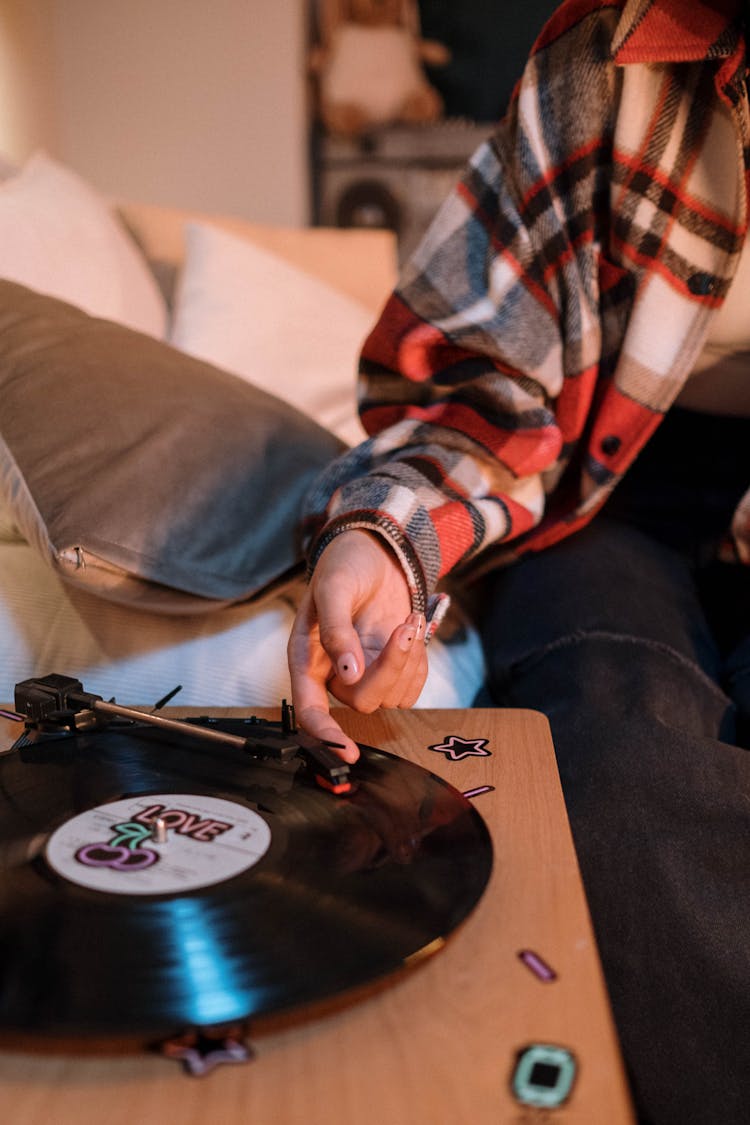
(640, 656)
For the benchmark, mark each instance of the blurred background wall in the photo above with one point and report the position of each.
(178, 102)
(209, 105)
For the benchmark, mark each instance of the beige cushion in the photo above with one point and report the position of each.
(361, 264)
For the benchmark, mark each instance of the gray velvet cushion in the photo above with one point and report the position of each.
(144, 475)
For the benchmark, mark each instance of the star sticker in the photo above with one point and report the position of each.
(456, 748)
(200, 1053)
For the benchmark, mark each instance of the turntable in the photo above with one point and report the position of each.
(405, 939)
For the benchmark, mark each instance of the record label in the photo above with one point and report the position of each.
(114, 847)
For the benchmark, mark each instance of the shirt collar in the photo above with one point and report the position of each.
(659, 31)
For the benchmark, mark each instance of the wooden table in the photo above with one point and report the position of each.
(440, 1044)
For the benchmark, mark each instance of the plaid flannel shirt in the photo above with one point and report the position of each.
(560, 298)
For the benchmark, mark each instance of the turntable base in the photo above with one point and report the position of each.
(510, 1023)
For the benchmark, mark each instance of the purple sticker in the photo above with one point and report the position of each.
(200, 1054)
(537, 964)
(480, 789)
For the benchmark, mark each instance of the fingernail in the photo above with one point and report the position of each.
(348, 753)
(347, 665)
(406, 637)
(416, 620)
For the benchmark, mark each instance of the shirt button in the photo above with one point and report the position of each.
(702, 284)
(610, 444)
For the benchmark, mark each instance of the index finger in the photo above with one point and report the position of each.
(319, 722)
(309, 669)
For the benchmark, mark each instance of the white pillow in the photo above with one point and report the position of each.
(58, 236)
(247, 310)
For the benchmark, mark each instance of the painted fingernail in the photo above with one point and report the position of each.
(406, 637)
(347, 665)
(416, 620)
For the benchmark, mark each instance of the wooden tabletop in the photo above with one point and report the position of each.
(515, 997)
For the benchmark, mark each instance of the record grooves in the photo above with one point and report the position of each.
(151, 882)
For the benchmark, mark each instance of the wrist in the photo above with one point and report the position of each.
(388, 537)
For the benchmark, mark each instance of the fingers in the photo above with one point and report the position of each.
(396, 677)
(337, 633)
(401, 684)
(320, 724)
(352, 637)
(310, 668)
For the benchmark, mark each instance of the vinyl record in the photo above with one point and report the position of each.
(150, 883)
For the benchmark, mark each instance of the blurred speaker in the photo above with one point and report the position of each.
(394, 178)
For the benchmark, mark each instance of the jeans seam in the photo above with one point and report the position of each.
(536, 655)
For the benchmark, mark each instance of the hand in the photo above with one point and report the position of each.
(354, 635)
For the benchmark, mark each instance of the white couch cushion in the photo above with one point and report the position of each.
(247, 310)
(58, 236)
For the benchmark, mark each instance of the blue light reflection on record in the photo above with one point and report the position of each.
(211, 981)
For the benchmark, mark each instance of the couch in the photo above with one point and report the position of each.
(170, 383)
